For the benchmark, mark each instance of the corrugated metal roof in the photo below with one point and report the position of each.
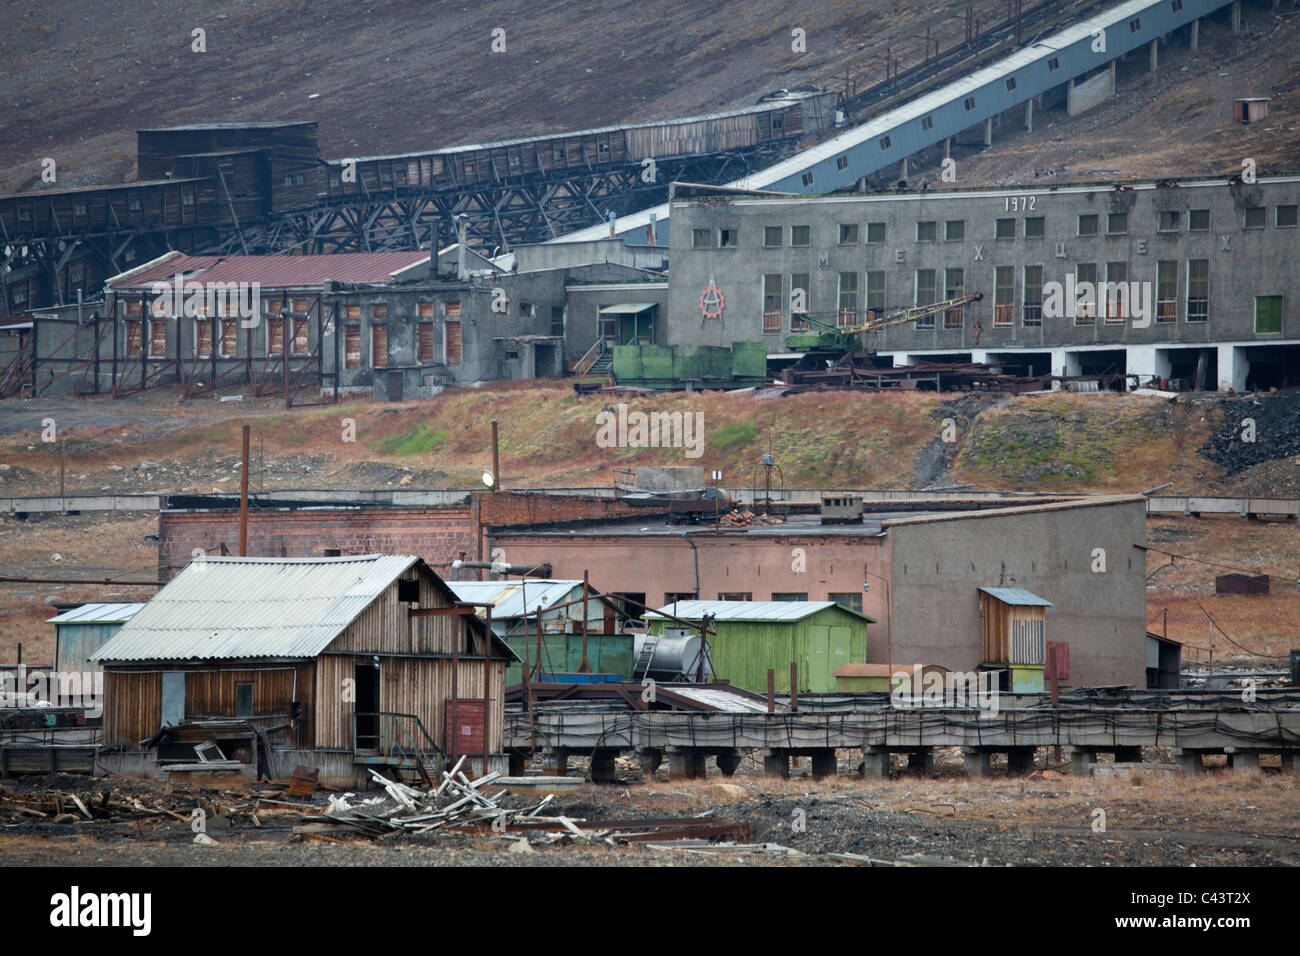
(748, 610)
(627, 308)
(276, 272)
(1018, 596)
(722, 698)
(98, 614)
(508, 597)
(235, 608)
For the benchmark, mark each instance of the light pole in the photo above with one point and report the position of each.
(889, 632)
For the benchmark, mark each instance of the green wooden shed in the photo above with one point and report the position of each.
(753, 636)
(78, 633)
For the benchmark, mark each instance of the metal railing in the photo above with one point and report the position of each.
(584, 364)
(395, 735)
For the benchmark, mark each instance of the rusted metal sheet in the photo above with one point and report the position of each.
(1241, 584)
(468, 728)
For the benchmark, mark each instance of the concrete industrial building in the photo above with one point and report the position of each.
(1215, 257)
(917, 574)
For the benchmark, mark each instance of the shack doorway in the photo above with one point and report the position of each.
(367, 712)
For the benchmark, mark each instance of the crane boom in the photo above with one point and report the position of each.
(838, 336)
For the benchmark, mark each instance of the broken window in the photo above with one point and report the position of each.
(202, 338)
(1169, 220)
(728, 238)
(773, 307)
(848, 314)
(1166, 290)
(925, 295)
(352, 346)
(275, 337)
(229, 338)
(672, 597)
(841, 162)
(876, 291)
(1085, 307)
(1198, 290)
(849, 599)
(1011, 83)
(132, 338)
(848, 233)
(800, 305)
(927, 123)
(424, 342)
(885, 143)
(300, 344)
(1004, 297)
(954, 284)
(807, 178)
(158, 337)
(1116, 273)
(1032, 306)
(969, 103)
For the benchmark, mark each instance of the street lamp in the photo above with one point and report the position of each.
(889, 632)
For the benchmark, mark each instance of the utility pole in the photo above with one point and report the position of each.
(243, 499)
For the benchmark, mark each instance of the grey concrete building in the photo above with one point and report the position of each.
(1213, 262)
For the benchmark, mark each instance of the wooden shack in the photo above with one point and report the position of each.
(1250, 109)
(1014, 634)
(335, 663)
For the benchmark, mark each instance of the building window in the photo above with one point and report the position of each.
(1117, 224)
(848, 233)
(969, 103)
(132, 306)
(187, 197)
(851, 600)
(925, 296)
(808, 178)
(275, 337)
(1198, 290)
(875, 232)
(229, 346)
(789, 595)
(1004, 229)
(773, 307)
(300, 344)
(557, 321)
(848, 314)
(1286, 217)
(800, 305)
(79, 209)
(926, 230)
(927, 123)
(132, 337)
(1035, 227)
(701, 238)
(772, 237)
(133, 204)
(1169, 220)
(727, 238)
(526, 309)
(954, 230)
(1176, 5)
(352, 312)
(1116, 272)
(1088, 225)
(1004, 297)
(735, 596)
(377, 311)
(1085, 309)
(244, 699)
(1166, 290)
(424, 310)
(1011, 83)
(876, 292)
(800, 235)
(1053, 64)
(451, 341)
(884, 143)
(841, 162)
(1032, 307)
(158, 338)
(1135, 25)
(1268, 313)
(954, 284)
(451, 308)
(379, 346)
(1198, 220)
(1255, 217)
(672, 597)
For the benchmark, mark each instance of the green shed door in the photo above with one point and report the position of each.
(819, 658)
(839, 651)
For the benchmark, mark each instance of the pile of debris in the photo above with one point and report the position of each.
(465, 806)
(119, 804)
(736, 518)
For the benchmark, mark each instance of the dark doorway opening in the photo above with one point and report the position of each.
(367, 713)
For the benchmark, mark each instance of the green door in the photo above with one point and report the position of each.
(839, 652)
(819, 658)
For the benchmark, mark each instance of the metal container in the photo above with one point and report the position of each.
(676, 656)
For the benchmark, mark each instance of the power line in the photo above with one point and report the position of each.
(1213, 564)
